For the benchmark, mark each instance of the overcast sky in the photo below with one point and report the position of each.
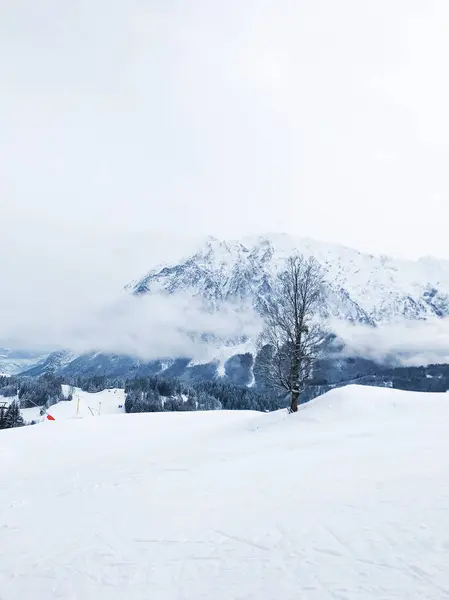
(313, 117)
(128, 126)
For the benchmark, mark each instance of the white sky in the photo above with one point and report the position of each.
(313, 117)
(128, 126)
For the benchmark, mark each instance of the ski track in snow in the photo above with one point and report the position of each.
(347, 500)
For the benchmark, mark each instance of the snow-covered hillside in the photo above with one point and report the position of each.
(82, 404)
(361, 288)
(347, 499)
(52, 363)
(16, 361)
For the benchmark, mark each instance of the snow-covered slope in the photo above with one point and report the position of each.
(83, 404)
(347, 499)
(53, 363)
(361, 288)
(16, 361)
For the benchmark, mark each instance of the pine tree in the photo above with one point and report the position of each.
(13, 417)
(3, 411)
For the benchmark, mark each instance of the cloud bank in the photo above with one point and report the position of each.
(148, 327)
(64, 290)
(404, 342)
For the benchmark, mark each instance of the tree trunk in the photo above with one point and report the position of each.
(294, 403)
(295, 375)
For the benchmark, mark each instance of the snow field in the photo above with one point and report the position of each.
(347, 500)
(106, 402)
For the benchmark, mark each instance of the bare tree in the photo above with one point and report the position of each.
(292, 333)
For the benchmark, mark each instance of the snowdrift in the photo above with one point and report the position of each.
(347, 499)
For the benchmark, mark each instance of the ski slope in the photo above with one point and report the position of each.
(83, 404)
(346, 500)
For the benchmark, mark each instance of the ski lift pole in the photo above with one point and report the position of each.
(41, 408)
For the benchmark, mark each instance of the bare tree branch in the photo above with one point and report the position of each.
(291, 329)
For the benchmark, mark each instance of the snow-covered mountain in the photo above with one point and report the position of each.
(361, 287)
(15, 361)
(53, 363)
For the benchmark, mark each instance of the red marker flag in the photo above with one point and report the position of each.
(50, 418)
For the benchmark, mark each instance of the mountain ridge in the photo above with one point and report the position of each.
(361, 289)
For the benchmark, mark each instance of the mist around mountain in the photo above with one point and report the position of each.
(381, 314)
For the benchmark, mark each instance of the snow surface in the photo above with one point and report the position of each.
(106, 402)
(348, 499)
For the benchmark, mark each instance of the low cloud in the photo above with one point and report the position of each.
(63, 289)
(149, 327)
(404, 342)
